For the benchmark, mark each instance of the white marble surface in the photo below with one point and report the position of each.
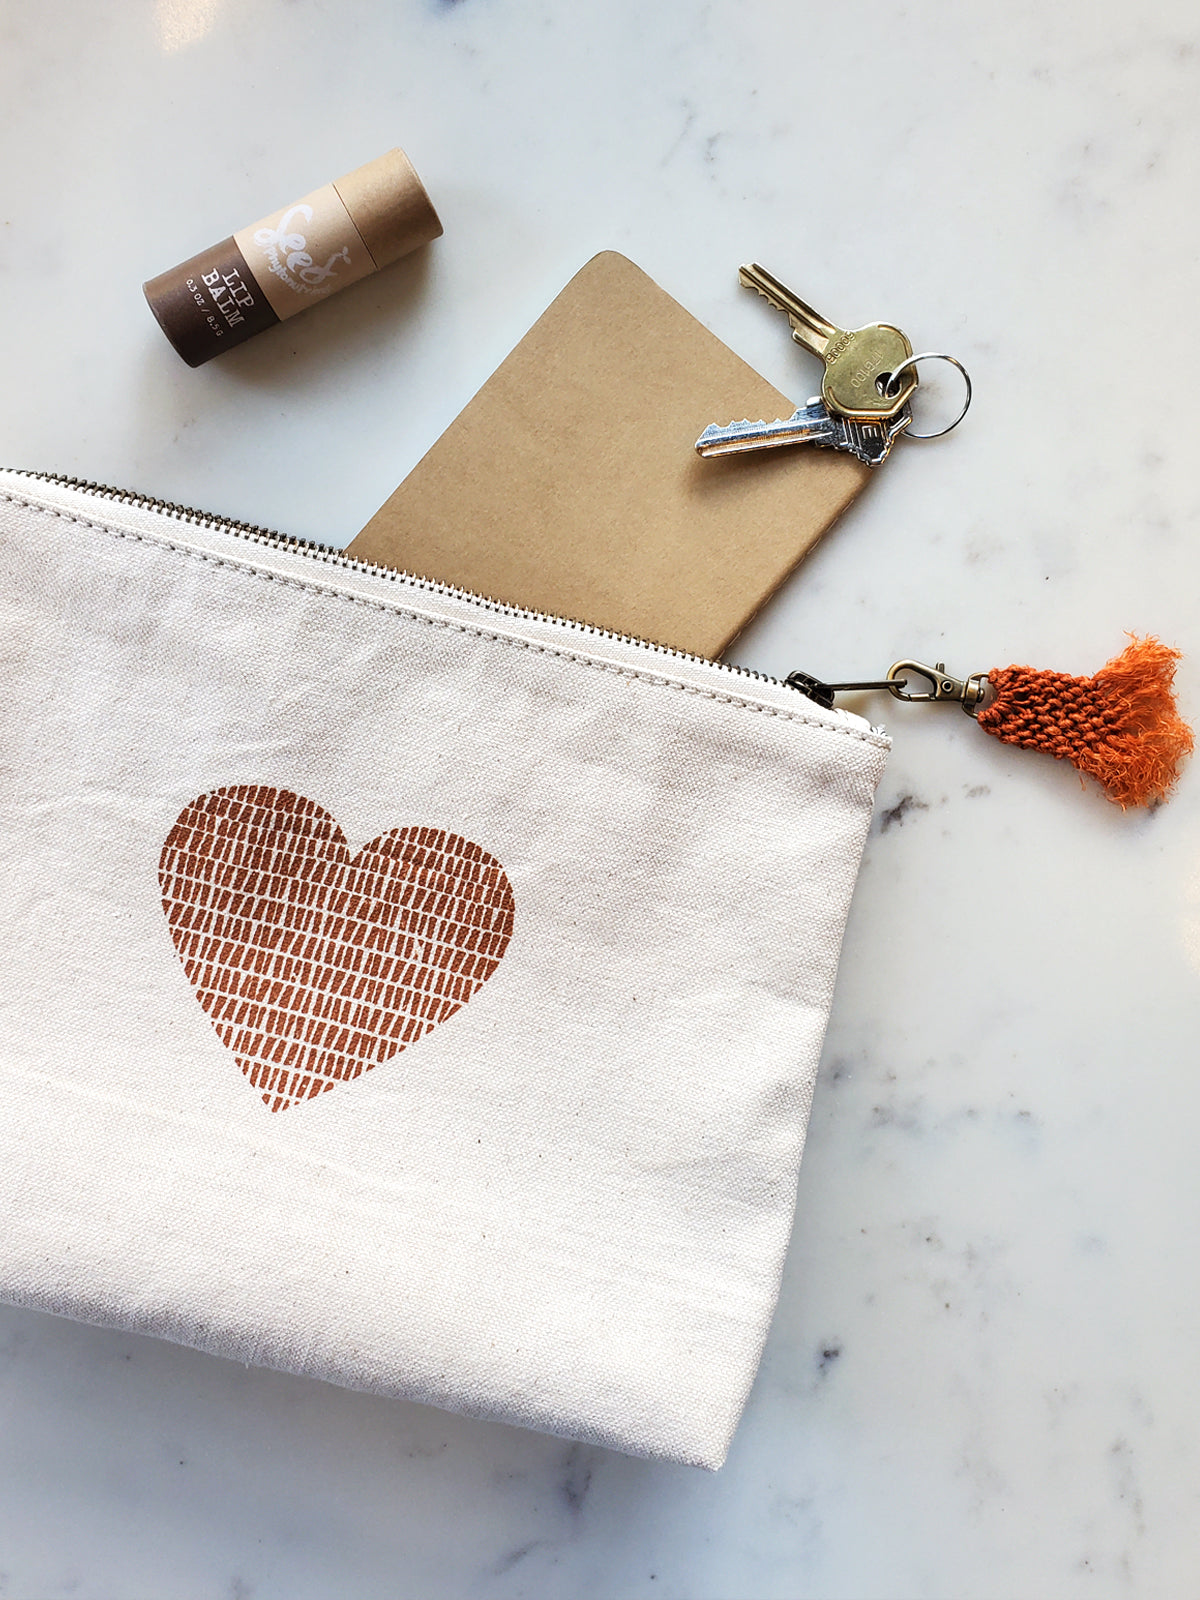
(982, 1379)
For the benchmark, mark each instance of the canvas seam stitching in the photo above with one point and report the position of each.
(306, 586)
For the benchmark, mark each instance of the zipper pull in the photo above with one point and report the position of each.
(1120, 726)
(969, 692)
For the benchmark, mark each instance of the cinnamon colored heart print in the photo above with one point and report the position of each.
(314, 965)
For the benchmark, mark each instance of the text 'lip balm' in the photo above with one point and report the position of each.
(293, 258)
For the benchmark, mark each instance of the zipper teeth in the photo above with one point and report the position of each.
(254, 534)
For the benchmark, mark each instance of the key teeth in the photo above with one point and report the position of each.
(750, 277)
(724, 427)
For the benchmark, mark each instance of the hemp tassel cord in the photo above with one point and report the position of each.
(1121, 726)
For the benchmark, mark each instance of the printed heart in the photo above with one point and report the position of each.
(315, 965)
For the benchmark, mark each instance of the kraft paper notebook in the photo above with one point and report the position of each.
(570, 483)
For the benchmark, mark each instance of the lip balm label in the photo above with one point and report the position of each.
(210, 303)
(305, 252)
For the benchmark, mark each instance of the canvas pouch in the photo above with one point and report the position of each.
(400, 989)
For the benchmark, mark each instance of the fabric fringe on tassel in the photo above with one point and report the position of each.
(1121, 726)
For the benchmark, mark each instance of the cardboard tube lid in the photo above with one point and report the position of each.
(389, 207)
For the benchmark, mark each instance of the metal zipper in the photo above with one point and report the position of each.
(332, 556)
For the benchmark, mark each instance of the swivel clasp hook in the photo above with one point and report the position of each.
(969, 692)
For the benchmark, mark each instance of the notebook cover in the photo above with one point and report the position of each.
(570, 483)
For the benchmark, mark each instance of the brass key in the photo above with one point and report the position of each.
(855, 358)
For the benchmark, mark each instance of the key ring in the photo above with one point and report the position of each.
(892, 387)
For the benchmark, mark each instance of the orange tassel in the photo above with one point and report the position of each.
(1121, 726)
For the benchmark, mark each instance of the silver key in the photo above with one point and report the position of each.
(810, 423)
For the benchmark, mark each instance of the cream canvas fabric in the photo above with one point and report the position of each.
(401, 990)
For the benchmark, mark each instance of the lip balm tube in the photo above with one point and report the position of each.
(293, 258)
